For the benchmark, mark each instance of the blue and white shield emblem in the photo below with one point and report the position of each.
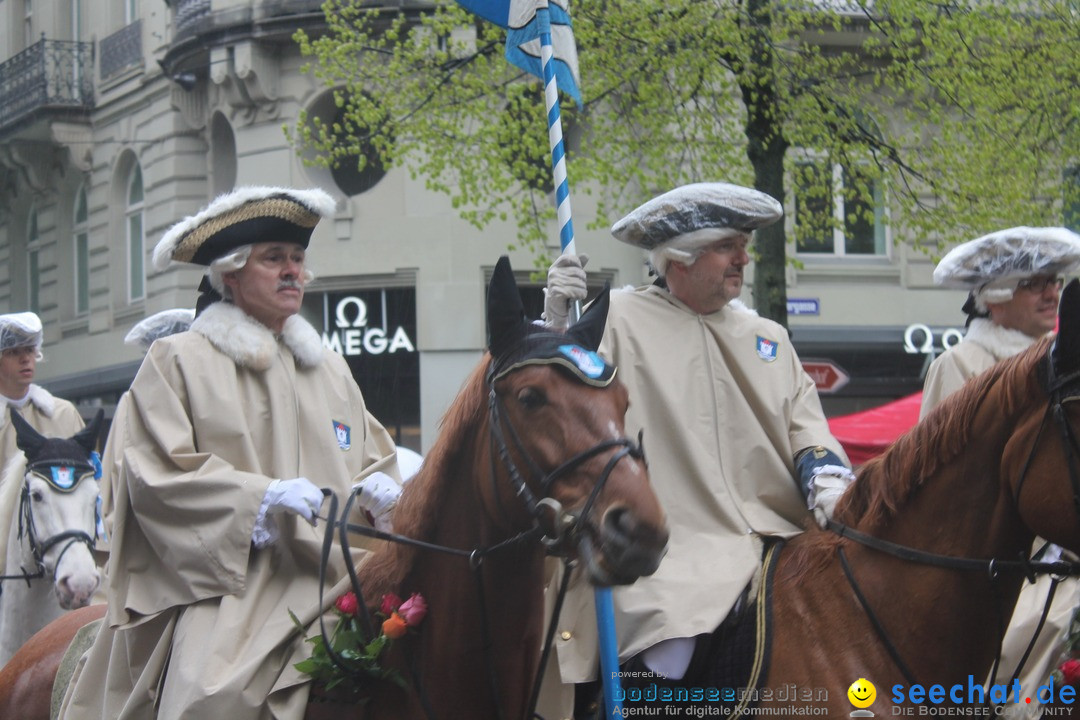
(63, 476)
(766, 348)
(344, 435)
(588, 362)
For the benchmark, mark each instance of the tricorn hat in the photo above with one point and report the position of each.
(246, 215)
(697, 207)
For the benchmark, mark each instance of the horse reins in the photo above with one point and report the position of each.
(565, 530)
(992, 566)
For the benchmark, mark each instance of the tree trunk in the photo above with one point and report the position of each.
(766, 147)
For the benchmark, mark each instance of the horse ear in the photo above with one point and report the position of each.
(88, 436)
(1067, 345)
(590, 328)
(506, 314)
(27, 438)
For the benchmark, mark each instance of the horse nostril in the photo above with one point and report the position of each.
(621, 522)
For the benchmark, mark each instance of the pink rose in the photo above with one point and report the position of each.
(347, 604)
(413, 610)
(1070, 671)
(390, 603)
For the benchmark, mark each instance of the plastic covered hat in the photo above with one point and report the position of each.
(20, 330)
(159, 325)
(697, 207)
(246, 215)
(1012, 254)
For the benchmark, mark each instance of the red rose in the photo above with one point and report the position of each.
(394, 626)
(1070, 671)
(347, 604)
(413, 610)
(390, 603)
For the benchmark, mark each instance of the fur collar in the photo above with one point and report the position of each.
(38, 396)
(250, 343)
(999, 341)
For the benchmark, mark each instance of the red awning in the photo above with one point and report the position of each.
(866, 434)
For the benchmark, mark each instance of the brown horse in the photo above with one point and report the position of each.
(537, 427)
(991, 468)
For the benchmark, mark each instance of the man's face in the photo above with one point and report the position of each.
(1033, 308)
(17, 366)
(270, 287)
(715, 278)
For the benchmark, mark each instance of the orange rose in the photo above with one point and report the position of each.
(394, 626)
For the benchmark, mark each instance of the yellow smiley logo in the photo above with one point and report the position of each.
(862, 693)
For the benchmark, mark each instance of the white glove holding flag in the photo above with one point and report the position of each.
(378, 494)
(826, 486)
(566, 283)
(298, 495)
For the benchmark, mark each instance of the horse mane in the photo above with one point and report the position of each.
(417, 509)
(885, 482)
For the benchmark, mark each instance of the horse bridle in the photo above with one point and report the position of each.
(564, 531)
(39, 548)
(1056, 386)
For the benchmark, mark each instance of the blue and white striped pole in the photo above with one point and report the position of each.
(605, 608)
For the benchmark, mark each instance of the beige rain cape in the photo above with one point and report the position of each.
(725, 405)
(49, 415)
(198, 623)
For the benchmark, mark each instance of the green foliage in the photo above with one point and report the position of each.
(962, 117)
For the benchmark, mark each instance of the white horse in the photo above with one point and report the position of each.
(49, 566)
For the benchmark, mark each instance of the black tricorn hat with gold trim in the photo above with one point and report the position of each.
(246, 215)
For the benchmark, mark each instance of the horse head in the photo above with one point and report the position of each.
(557, 427)
(1046, 478)
(58, 510)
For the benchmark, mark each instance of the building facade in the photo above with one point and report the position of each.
(120, 117)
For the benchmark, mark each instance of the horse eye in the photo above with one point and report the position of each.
(37, 495)
(531, 398)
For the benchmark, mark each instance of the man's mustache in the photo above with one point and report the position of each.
(290, 285)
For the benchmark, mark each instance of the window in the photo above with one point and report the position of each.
(136, 254)
(81, 233)
(33, 264)
(131, 11)
(839, 210)
(28, 22)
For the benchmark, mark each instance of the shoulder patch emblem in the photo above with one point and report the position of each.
(344, 435)
(766, 348)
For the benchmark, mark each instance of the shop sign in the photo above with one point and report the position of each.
(352, 334)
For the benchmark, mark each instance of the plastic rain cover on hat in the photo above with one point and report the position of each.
(159, 325)
(1012, 254)
(19, 330)
(695, 207)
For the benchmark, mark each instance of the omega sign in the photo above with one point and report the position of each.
(352, 335)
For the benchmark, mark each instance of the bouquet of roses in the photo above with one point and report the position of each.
(1068, 669)
(360, 655)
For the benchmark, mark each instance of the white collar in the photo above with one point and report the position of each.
(1001, 342)
(41, 398)
(250, 343)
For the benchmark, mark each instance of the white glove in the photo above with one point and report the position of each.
(378, 495)
(298, 495)
(826, 486)
(565, 283)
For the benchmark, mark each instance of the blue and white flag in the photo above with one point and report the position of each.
(524, 25)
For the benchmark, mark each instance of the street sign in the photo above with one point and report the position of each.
(827, 375)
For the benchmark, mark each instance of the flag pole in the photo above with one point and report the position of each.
(605, 608)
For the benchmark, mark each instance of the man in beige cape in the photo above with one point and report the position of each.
(1014, 279)
(734, 431)
(231, 429)
(20, 343)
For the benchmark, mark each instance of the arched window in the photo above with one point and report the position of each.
(81, 244)
(136, 251)
(33, 263)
